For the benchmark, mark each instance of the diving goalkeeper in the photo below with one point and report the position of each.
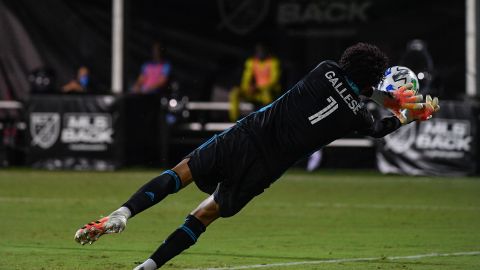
(241, 162)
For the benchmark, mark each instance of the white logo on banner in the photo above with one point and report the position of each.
(44, 129)
(401, 140)
(445, 138)
(87, 131)
(322, 12)
(243, 16)
(436, 138)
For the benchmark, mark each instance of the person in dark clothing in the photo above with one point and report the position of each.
(81, 84)
(241, 162)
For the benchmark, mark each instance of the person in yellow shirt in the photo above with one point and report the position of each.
(260, 81)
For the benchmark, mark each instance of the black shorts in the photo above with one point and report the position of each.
(230, 167)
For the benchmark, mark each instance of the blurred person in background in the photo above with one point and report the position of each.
(419, 60)
(260, 81)
(81, 84)
(155, 74)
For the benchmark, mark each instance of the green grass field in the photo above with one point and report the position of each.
(326, 220)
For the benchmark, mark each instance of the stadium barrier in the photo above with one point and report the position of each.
(12, 130)
(248, 107)
(105, 132)
(351, 152)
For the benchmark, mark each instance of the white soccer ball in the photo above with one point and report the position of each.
(398, 76)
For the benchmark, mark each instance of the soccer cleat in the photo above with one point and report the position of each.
(115, 223)
(91, 231)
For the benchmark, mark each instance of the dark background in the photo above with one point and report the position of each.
(207, 41)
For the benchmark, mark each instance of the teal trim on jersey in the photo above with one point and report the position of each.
(178, 183)
(265, 107)
(353, 86)
(207, 142)
(189, 232)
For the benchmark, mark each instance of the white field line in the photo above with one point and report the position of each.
(374, 206)
(392, 206)
(394, 258)
(49, 200)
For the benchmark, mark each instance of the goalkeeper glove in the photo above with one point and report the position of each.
(402, 98)
(426, 112)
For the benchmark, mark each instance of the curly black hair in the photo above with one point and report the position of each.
(364, 64)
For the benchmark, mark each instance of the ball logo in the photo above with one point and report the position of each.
(401, 75)
(242, 16)
(44, 129)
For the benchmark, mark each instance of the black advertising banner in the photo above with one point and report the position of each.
(446, 145)
(74, 132)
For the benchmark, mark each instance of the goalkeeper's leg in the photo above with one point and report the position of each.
(171, 181)
(148, 195)
(185, 236)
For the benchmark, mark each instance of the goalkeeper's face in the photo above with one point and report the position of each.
(367, 91)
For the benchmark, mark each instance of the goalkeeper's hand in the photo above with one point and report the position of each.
(426, 112)
(402, 98)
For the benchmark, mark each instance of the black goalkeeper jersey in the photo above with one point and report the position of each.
(319, 109)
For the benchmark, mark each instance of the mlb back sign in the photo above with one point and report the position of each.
(445, 145)
(74, 132)
(87, 131)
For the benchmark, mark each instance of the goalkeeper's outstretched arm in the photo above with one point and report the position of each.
(381, 128)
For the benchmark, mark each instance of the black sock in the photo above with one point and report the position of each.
(153, 192)
(179, 240)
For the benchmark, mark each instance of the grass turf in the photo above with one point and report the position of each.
(302, 217)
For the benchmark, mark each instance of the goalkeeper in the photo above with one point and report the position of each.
(240, 163)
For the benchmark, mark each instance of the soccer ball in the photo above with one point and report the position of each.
(398, 76)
